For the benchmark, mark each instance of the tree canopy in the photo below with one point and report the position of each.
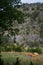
(8, 13)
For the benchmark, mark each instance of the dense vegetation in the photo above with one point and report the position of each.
(19, 48)
(14, 19)
(8, 14)
(31, 24)
(38, 50)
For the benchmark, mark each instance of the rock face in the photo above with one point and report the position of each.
(29, 31)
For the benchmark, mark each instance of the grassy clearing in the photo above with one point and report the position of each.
(10, 57)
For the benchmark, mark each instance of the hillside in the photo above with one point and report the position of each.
(30, 32)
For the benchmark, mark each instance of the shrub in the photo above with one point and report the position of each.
(18, 49)
(40, 19)
(8, 48)
(41, 33)
(16, 30)
(33, 8)
(38, 50)
(35, 14)
(2, 48)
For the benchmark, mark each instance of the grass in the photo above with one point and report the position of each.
(10, 57)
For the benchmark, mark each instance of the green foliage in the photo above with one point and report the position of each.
(38, 8)
(20, 17)
(4, 3)
(0, 39)
(33, 8)
(16, 31)
(41, 30)
(38, 50)
(41, 26)
(8, 17)
(35, 14)
(27, 30)
(34, 44)
(17, 48)
(2, 48)
(40, 19)
(7, 48)
(41, 33)
(8, 13)
(28, 14)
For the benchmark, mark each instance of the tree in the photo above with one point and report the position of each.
(8, 14)
(19, 49)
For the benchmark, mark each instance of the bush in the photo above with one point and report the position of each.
(35, 14)
(33, 8)
(18, 49)
(8, 48)
(34, 44)
(38, 50)
(2, 48)
(40, 19)
(16, 30)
